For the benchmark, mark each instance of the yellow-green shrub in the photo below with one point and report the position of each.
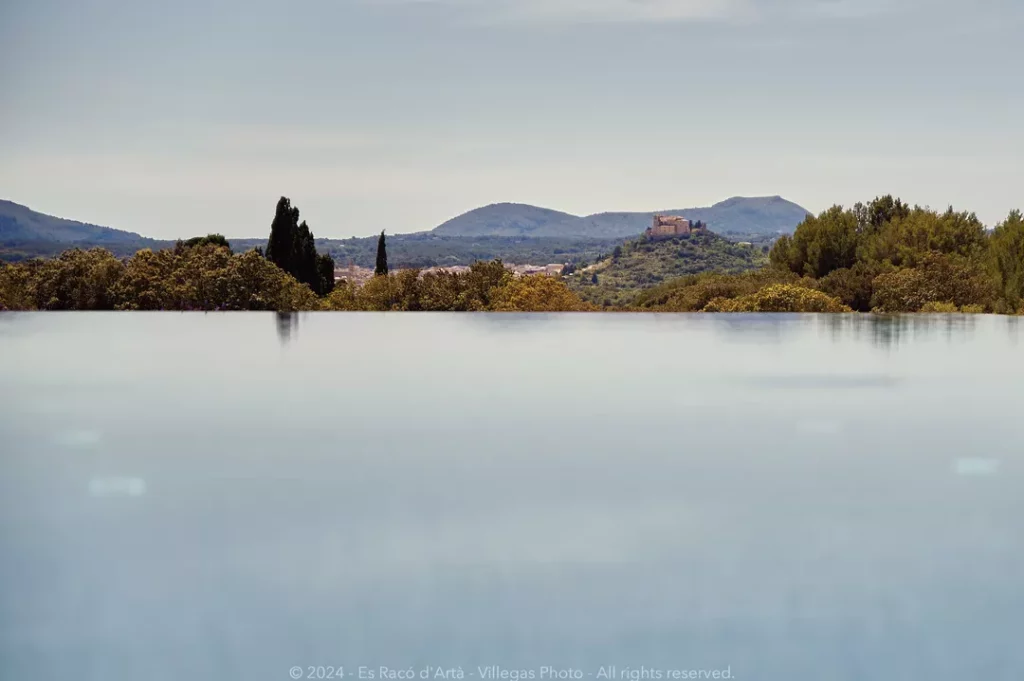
(537, 293)
(938, 278)
(780, 298)
(939, 308)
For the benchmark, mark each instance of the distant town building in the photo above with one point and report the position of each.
(358, 276)
(353, 274)
(673, 225)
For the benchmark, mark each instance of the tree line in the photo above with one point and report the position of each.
(209, 276)
(883, 256)
(203, 273)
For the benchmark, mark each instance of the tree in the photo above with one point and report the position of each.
(283, 232)
(939, 278)
(819, 244)
(215, 239)
(325, 273)
(906, 240)
(1007, 252)
(306, 267)
(884, 209)
(382, 256)
(292, 247)
(76, 280)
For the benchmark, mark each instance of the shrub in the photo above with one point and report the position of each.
(780, 298)
(939, 308)
(693, 293)
(939, 278)
(343, 297)
(537, 293)
(852, 285)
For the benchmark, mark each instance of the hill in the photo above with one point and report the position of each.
(426, 249)
(736, 217)
(503, 219)
(642, 263)
(513, 232)
(26, 233)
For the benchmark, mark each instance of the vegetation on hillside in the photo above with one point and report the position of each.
(647, 262)
(509, 232)
(884, 256)
(485, 287)
(430, 250)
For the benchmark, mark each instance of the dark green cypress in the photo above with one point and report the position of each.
(292, 247)
(325, 270)
(283, 232)
(305, 257)
(382, 256)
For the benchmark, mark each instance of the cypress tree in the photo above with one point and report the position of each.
(292, 248)
(283, 232)
(325, 271)
(382, 256)
(305, 258)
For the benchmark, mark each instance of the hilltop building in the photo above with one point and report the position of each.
(672, 225)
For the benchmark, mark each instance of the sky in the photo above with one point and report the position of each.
(174, 119)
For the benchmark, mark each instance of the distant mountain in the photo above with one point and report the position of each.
(514, 232)
(738, 216)
(644, 262)
(504, 219)
(27, 233)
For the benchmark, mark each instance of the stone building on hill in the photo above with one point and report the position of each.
(672, 225)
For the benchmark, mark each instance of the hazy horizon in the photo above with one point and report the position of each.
(400, 114)
(394, 233)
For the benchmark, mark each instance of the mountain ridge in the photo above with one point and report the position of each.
(737, 215)
(19, 222)
(501, 219)
(26, 233)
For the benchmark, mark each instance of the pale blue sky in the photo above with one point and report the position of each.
(178, 118)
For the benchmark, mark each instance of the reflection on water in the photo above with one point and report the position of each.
(784, 496)
(287, 325)
(889, 331)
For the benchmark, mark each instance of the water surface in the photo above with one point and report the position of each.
(228, 496)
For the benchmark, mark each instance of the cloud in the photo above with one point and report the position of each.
(591, 10)
(638, 11)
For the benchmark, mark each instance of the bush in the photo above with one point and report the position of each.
(201, 277)
(780, 298)
(939, 308)
(75, 280)
(852, 285)
(939, 279)
(537, 293)
(693, 293)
